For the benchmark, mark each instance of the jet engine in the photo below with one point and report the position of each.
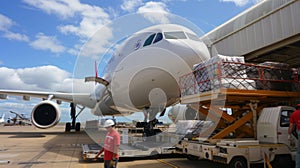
(46, 114)
(182, 112)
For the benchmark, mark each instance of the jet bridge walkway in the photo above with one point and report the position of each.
(232, 94)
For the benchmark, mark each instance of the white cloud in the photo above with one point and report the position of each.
(97, 44)
(75, 50)
(89, 18)
(15, 105)
(130, 5)
(241, 2)
(44, 42)
(5, 25)
(37, 78)
(92, 19)
(58, 7)
(9, 78)
(16, 36)
(237, 2)
(42, 78)
(156, 12)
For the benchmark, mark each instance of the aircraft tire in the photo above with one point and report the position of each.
(68, 127)
(77, 127)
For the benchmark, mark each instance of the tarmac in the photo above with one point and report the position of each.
(30, 147)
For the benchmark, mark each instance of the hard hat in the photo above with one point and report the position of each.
(109, 123)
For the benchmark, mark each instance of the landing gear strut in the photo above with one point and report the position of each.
(73, 125)
(149, 126)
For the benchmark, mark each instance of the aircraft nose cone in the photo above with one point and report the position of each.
(146, 81)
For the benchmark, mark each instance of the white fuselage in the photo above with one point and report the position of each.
(145, 69)
(2, 119)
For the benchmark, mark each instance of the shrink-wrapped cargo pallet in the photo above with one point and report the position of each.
(272, 76)
(192, 127)
(222, 72)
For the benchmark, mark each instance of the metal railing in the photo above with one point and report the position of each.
(235, 75)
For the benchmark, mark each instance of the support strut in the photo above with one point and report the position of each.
(73, 125)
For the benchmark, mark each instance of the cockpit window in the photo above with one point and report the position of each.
(175, 35)
(193, 37)
(158, 37)
(149, 40)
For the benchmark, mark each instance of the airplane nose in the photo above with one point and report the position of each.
(146, 81)
(191, 51)
(200, 50)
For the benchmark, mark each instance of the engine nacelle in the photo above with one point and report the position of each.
(182, 112)
(46, 114)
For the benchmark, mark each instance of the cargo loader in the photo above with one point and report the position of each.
(249, 106)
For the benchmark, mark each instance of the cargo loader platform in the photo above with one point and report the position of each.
(218, 85)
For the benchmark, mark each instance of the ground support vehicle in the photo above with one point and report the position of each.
(271, 143)
(249, 110)
(89, 151)
(133, 144)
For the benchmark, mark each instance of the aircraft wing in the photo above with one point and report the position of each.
(60, 96)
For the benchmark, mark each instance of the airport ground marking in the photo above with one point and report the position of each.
(167, 163)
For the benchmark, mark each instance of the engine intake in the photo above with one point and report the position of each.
(46, 114)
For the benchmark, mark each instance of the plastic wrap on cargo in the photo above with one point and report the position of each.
(220, 58)
(185, 127)
(273, 76)
(222, 71)
(275, 64)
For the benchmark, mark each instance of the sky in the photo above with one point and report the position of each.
(40, 40)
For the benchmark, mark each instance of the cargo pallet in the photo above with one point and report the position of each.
(244, 88)
(247, 90)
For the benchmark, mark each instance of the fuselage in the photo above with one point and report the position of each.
(145, 69)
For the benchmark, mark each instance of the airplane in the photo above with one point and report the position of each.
(2, 119)
(19, 119)
(141, 75)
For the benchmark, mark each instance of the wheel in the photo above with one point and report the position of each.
(191, 157)
(77, 127)
(238, 162)
(282, 161)
(154, 155)
(68, 127)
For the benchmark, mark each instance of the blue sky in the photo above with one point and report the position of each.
(40, 39)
